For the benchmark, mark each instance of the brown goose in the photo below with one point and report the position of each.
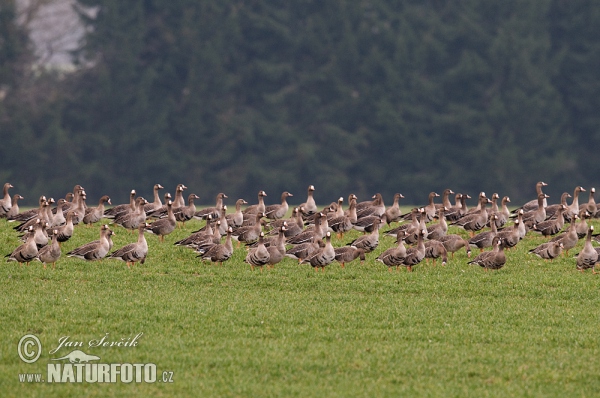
(494, 259)
(185, 213)
(259, 256)
(344, 223)
(590, 206)
(475, 221)
(156, 203)
(6, 201)
(582, 226)
(551, 226)
(573, 208)
(459, 210)
(249, 233)
(277, 248)
(26, 252)
(223, 224)
(216, 210)
(412, 226)
(236, 219)
(199, 236)
(536, 216)
(587, 257)
(179, 201)
(50, 254)
(133, 252)
(79, 207)
(348, 254)
(304, 250)
(133, 220)
(219, 253)
(204, 243)
(94, 214)
(445, 199)
(14, 209)
(40, 236)
(65, 232)
(393, 213)
(430, 209)
(95, 250)
(412, 235)
(532, 204)
(435, 249)
(415, 255)
(503, 214)
(57, 215)
(553, 209)
(121, 209)
(454, 243)
(569, 238)
(322, 257)
(511, 236)
(440, 229)
(27, 215)
(394, 256)
(163, 226)
(376, 207)
(275, 212)
(485, 239)
(294, 225)
(309, 207)
(308, 234)
(368, 242)
(548, 250)
(257, 208)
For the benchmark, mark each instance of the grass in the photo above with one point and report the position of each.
(529, 329)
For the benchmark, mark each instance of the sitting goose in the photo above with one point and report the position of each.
(14, 209)
(322, 257)
(199, 236)
(548, 250)
(6, 201)
(133, 252)
(163, 226)
(494, 259)
(95, 250)
(259, 256)
(308, 234)
(553, 209)
(50, 254)
(26, 252)
(257, 208)
(204, 243)
(156, 203)
(220, 252)
(348, 254)
(588, 257)
(415, 255)
(185, 213)
(275, 212)
(236, 219)
(309, 207)
(393, 213)
(216, 210)
(394, 256)
(413, 226)
(590, 206)
(368, 242)
(532, 204)
(435, 249)
(454, 243)
(95, 214)
(122, 209)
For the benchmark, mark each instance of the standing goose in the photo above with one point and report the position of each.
(415, 255)
(394, 256)
(538, 215)
(219, 253)
(368, 242)
(50, 254)
(553, 209)
(14, 209)
(552, 226)
(198, 236)
(156, 202)
(458, 210)
(588, 257)
(275, 212)
(204, 243)
(393, 213)
(309, 207)
(494, 259)
(224, 225)
(435, 249)
(346, 254)
(548, 250)
(412, 226)
(133, 220)
(503, 214)
(485, 239)
(57, 214)
(236, 219)
(94, 214)
(510, 237)
(445, 199)
(95, 250)
(133, 252)
(40, 236)
(573, 208)
(116, 211)
(590, 206)
(344, 223)
(178, 201)
(277, 248)
(440, 229)
(259, 256)
(27, 215)
(306, 249)
(430, 209)
(185, 213)
(79, 208)
(308, 234)
(582, 225)
(257, 208)
(6, 201)
(412, 235)
(216, 210)
(532, 204)
(454, 243)
(293, 225)
(249, 233)
(163, 226)
(475, 221)
(322, 257)
(65, 232)
(376, 207)
(569, 239)
(26, 252)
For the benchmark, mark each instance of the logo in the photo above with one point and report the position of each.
(29, 348)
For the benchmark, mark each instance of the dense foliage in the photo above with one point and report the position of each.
(365, 96)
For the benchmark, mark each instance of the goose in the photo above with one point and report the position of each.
(309, 207)
(95, 250)
(293, 225)
(485, 239)
(94, 214)
(569, 238)
(376, 207)
(479, 204)
(275, 212)
(204, 243)
(536, 216)
(440, 229)
(26, 252)
(27, 215)
(348, 254)
(475, 221)
(270, 239)
(435, 249)
(368, 242)
(186, 213)
(308, 234)
(14, 207)
(65, 232)
(216, 210)
(277, 248)
(304, 250)
(163, 226)
(415, 255)
(133, 220)
(494, 259)
(503, 214)
(430, 209)
(445, 199)
(198, 236)
(344, 223)
(237, 218)
(532, 204)
(133, 252)
(454, 243)
(41, 214)
(413, 225)
(582, 225)
(257, 208)
(394, 256)
(121, 209)
(259, 256)
(573, 208)
(510, 237)
(368, 224)
(412, 235)
(322, 257)
(459, 210)
(40, 236)
(156, 203)
(219, 253)
(57, 214)
(50, 254)
(393, 213)
(223, 224)
(79, 208)
(548, 250)
(178, 201)
(590, 206)
(6, 201)
(588, 257)
(249, 233)
(551, 226)
(553, 209)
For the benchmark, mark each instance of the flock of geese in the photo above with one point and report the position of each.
(269, 237)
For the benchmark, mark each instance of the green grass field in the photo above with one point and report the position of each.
(529, 329)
